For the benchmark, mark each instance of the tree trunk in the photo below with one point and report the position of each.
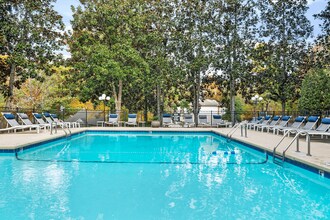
(283, 106)
(118, 97)
(158, 101)
(232, 101)
(196, 97)
(11, 86)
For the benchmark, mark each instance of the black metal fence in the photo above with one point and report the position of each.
(89, 118)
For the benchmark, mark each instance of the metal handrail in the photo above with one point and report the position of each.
(67, 134)
(296, 138)
(51, 127)
(234, 129)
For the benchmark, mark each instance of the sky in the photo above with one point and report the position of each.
(64, 8)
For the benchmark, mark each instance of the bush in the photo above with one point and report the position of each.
(315, 91)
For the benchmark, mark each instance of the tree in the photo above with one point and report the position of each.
(104, 49)
(192, 43)
(234, 26)
(323, 41)
(30, 33)
(315, 91)
(285, 30)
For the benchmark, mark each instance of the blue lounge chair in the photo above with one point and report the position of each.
(55, 118)
(167, 120)
(298, 121)
(310, 125)
(276, 119)
(132, 120)
(24, 118)
(282, 124)
(113, 120)
(322, 129)
(188, 120)
(203, 121)
(254, 122)
(11, 122)
(264, 122)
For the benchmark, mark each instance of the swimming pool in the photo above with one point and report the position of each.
(158, 175)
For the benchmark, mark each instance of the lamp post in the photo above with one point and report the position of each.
(255, 99)
(104, 98)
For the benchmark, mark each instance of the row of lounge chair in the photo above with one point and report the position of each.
(301, 124)
(44, 121)
(169, 122)
(188, 121)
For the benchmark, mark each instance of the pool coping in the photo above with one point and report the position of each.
(315, 168)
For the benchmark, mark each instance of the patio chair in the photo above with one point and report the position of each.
(263, 123)
(38, 118)
(24, 118)
(282, 124)
(167, 120)
(55, 118)
(298, 121)
(113, 120)
(131, 120)
(49, 120)
(276, 119)
(255, 121)
(188, 120)
(310, 125)
(203, 121)
(11, 122)
(218, 122)
(322, 129)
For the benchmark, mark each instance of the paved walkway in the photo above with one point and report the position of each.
(320, 149)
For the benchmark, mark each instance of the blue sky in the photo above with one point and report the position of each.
(315, 7)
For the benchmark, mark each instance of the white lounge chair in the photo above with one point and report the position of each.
(310, 125)
(298, 121)
(38, 118)
(11, 122)
(255, 121)
(276, 119)
(113, 120)
(132, 120)
(167, 120)
(282, 124)
(24, 118)
(188, 121)
(49, 120)
(55, 118)
(218, 122)
(203, 121)
(321, 129)
(263, 123)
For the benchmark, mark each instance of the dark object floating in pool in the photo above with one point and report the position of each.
(224, 152)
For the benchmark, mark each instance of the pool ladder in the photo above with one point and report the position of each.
(242, 125)
(280, 158)
(67, 133)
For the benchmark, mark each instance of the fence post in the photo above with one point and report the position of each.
(211, 117)
(63, 111)
(86, 123)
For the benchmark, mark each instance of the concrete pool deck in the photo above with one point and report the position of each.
(320, 148)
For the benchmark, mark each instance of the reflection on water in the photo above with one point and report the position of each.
(212, 188)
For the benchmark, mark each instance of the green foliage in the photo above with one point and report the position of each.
(233, 32)
(30, 33)
(238, 111)
(286, 29)
(104, 51)
(315, 91)
(323, 41)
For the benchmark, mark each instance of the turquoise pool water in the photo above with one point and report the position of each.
(141, 175)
